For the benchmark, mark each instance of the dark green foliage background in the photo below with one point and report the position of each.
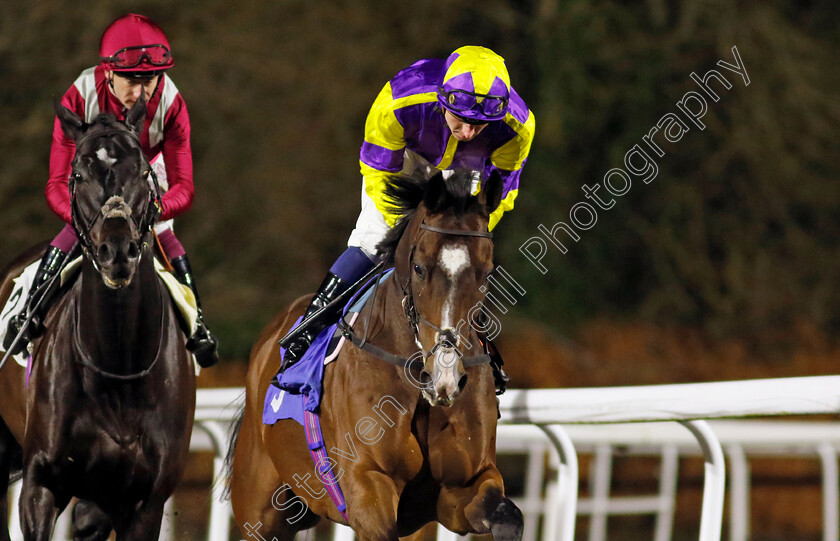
(736, 235)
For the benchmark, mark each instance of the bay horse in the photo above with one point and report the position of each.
(405, 448)
(108, 410)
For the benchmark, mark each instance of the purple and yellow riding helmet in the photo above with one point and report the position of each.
(475, 85)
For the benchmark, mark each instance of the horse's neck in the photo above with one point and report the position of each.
(117, 326)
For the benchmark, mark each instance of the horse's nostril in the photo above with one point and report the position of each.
(425, 377)
(103, 253)
(133, 251)
(462, 382)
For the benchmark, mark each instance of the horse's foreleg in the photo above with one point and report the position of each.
(39, 509)
(481, 508)
(9, 450)
(90, 523)
(372, 504)
(144, 524)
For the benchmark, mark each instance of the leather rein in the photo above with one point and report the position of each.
(83, 229)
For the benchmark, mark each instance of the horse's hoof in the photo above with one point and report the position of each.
(506, 522)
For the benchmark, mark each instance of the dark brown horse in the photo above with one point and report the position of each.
(407, 448)
(108, 411)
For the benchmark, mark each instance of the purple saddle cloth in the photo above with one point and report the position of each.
(299, 388)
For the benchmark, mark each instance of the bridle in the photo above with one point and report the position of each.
(442, 336)
(409, 307)
(153, 207)
(83, 230)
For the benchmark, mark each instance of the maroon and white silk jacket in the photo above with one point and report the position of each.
(166, 134)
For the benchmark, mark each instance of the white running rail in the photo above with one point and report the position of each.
(531, 422)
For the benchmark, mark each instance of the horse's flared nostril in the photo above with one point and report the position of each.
(104, 253)
(133, 251)
(425, 377)
(462, 382)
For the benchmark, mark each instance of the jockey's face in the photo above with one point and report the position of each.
(462, 131)
(128, 89)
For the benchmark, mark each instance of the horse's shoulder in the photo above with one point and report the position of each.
(58, 319)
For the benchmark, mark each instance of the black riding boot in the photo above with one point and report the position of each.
(202, 343)
(51, 263)
(330, 288)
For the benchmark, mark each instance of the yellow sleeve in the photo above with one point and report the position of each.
(504, 206)
(381, 126)
(375, 182)
(512, 154)
(384, 146)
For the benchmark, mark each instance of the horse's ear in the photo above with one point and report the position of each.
(491, 194)
(136, 116)
(71, 124)
(435, 192)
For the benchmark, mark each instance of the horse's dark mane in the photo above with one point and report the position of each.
(403, 195)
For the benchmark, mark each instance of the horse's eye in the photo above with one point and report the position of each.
(75, 178)
(419, 271)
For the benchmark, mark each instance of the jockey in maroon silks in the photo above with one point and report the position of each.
(135, 55)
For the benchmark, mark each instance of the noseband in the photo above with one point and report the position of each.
(153, 208)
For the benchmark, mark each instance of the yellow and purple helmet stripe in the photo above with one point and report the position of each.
(478, 74)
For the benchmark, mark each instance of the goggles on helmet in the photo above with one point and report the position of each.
(131, 57)
(464, 100)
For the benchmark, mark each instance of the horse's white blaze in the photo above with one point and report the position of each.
(453, 259)
(103, 155)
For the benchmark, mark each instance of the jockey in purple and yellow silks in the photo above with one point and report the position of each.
(435, 115)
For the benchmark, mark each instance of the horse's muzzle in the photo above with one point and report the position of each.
(117, 244)
(447, 378)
